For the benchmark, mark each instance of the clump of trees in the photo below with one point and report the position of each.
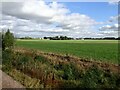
(7, 40)
(59, 38)
(26, 38)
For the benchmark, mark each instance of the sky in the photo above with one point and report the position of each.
(74, 19)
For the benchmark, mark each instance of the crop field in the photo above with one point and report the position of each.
(102, 50)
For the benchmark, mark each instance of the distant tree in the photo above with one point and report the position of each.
(45, 37)
(118, 38)
(0, 39)
(61, 38)
(65, 38)
(8, 40)
(109, 38)
(56, 37)
(26, 38)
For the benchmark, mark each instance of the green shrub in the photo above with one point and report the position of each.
(110, 80)
(94, 78)
(20, 60)
(41, 59)
(69, 71)
(7, 56)
(58, 66)
(24, 59)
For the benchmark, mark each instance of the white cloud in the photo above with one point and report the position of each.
(115, 19)
(38, 19)
(74, 21)
(35, 10)
(109, 27)
(110, 30)
(112, 27)
(113, 2)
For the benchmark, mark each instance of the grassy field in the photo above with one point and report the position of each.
(103, 50)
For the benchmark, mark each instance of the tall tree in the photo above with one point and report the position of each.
(8, 40)
(0, 40)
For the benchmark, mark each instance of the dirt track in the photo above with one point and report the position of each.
(8, 82)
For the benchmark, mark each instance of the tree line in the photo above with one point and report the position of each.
(59, 38)
(104, 38)
(8, 38)
(70, 38)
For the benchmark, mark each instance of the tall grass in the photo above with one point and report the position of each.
(36, 71)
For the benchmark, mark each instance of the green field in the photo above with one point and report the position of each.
(103, 50)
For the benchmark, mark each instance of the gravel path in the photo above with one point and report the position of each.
(8, 82)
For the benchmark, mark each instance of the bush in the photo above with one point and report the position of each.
(7, 56)
(8, 40)
(94, 78)
(41, 59)
(70, 72)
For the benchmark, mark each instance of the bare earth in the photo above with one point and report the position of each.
(8, 82)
